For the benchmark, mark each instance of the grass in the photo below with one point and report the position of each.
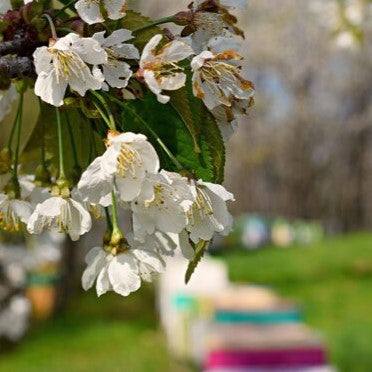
(331, 280)
(108, 334)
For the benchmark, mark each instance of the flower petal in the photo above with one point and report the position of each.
(96, 260)
(123, 274)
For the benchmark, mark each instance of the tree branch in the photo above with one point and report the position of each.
(21, 47)
(12, 67)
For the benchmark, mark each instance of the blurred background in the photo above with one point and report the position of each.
(295, 276)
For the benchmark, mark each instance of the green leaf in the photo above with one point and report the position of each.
(134, 20)
(180, 102)
(200, 249)
(216, 147)
(200, 123)
(82, 134)
(170, 128)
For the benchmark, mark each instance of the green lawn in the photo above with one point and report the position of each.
(333, 283)
(106, 334)
(332, 280)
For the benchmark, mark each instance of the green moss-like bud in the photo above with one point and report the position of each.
(65, 192)
(21, 85)
(55, 191)
(62, 183)
(71, 102)
(118, 243)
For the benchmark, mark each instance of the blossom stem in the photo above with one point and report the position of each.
(51, 25)
(157, 22)
(111, 118)
(19, 132)
(103, 115)
(74, 152)
(67, 6)
(43, 162)
(64, 29)
(153, 133)
(62, 174)
(108, 219)
(115, 217)
(14, 126)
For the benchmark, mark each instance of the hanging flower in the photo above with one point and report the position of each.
(162, 205)
(13, 212)
(65, 214)
(117, 72)
(159, 68)
(7, 97)
(217, 80)
(209, 215)
(64, 63)
(120, 272)
(126, 162)
(226, 116)
(90, 10)
(166, 244)
(210, 19)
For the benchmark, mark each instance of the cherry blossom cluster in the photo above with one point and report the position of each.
(91, 63)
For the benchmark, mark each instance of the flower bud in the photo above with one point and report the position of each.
(116, 238)
(118, 243)
(64, 187)
(21, 85)
(71, 102)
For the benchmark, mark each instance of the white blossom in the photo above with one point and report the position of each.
(217, 80)
(13, 212)
(64, 63)
(226, 116)
(30, 192)
(120, 272)
(90, 10)
(209, 214)
(166, 244)
(117, 72)
(65, 214)
(159, 68)
(162, 204)
(7, 97)
(125, 164)
(208, 21)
